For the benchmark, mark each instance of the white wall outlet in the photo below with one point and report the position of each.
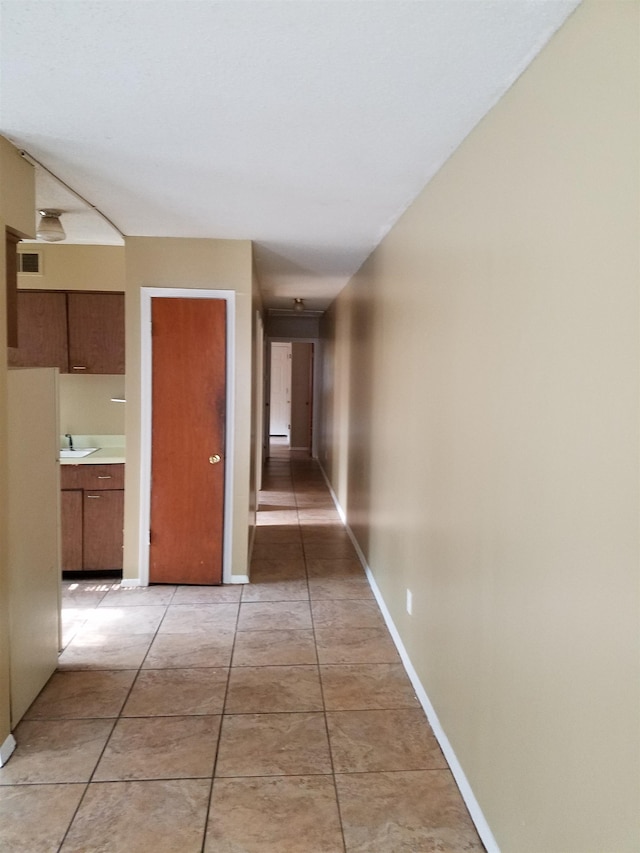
(409, 602)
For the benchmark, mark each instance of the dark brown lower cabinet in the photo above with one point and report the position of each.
(92, 517)
(71, 523)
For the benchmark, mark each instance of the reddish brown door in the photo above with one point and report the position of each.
(187, 444)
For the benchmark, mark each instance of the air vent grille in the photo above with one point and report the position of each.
(29, 262)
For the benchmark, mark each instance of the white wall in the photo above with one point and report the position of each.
(487, 449)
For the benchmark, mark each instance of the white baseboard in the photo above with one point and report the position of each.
(135, 582)
(484, 831)
(6, 749)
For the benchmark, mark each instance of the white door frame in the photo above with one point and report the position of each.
(146, 295)
(317, 376)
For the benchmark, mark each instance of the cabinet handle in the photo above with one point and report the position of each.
(104, 476)
(78, 367)
(93, 496)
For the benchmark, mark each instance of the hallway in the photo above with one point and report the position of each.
(274, 717)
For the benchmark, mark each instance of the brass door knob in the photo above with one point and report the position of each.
(214, 459)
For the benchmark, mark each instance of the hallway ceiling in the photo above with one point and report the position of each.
(307, 126)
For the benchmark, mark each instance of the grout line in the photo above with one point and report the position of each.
(324, 704)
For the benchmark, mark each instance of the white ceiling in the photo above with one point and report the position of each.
(307, 126)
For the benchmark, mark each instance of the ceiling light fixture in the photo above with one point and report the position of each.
(50, 228)
(298, 305)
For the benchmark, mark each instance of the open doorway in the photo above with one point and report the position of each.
(291, 395)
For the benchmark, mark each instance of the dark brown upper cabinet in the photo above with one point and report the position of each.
(80, 332)
(96, 332)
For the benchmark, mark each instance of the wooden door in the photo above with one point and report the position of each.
(188, 440)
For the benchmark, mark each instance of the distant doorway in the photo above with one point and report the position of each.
(290, 396)
(280, 394)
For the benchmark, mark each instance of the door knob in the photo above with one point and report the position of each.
(214, 459)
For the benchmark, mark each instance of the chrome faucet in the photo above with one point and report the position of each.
(68, 435)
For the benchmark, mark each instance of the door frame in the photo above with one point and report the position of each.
(317, 377)
(146, 295)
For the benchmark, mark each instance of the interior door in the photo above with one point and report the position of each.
(187, 446)
(280, 400)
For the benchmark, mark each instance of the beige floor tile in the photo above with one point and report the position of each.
(273, 689)
(275, 648)
(292, 814)
(273, 745)
(74, 695)
(167, 816)
(34, 818)
(52, 751)
(342, 567)
(276, 590)
(310, 515)
(202, 649)
(70, 627)
(404, 812)
(366, 686)
(283, 569)
(328, 531)
(117, 621)
(279, 518)
(273, 535)
(346, 614)
(329, 548)
(193, 618)
(366, 741)
(267, 615)
(160, 748)
(277, 551)
(355, 645)
(88, 650)
(173, 692)
(128, 596)
(333, 589)
(207, 594)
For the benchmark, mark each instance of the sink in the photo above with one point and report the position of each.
(65, 453)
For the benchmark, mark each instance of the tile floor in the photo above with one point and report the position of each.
(274, 717)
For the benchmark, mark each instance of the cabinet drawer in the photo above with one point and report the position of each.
(92, 476)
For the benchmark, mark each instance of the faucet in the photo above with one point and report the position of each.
(68, 435)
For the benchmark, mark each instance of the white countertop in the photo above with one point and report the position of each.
(111, 449)
(102, 456)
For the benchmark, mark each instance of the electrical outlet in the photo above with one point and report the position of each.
(409, 602)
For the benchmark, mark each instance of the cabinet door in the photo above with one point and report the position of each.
(96, 332)
(103, 529)
(71, 524)
(42, 330)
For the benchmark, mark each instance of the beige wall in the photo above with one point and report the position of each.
(490, 464)
(17, 211)
(86, 406)
(17, 190)
(200, 264)
(75, 267)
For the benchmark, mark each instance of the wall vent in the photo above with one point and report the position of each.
(29, 262)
